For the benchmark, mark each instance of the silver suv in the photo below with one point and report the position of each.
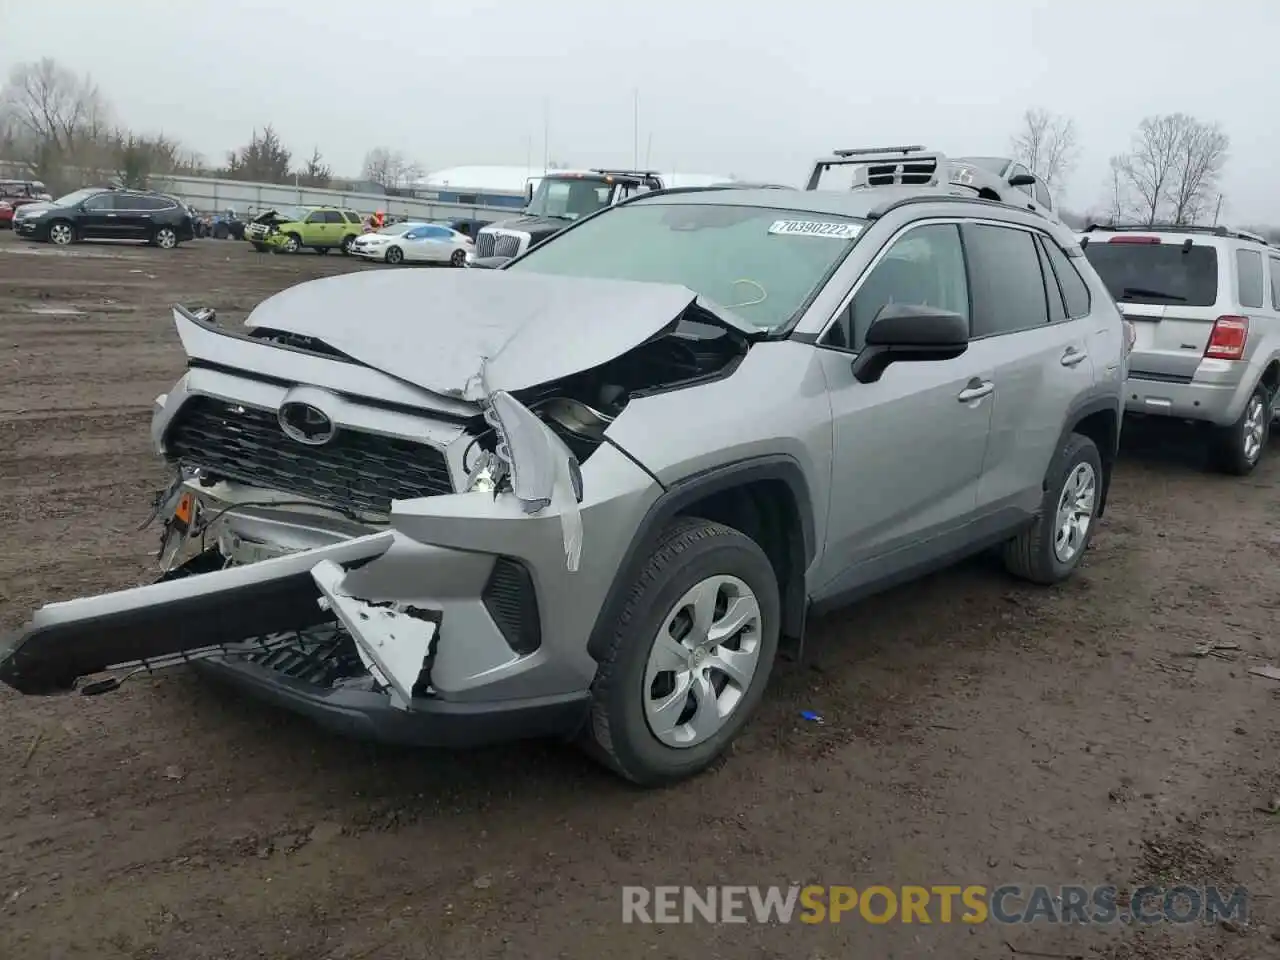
(590, 493)
(1205, 306)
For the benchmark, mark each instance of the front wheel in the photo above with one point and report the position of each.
(1236, 449)
(1050, 549)
(292, 244)
(689, 658)
(61, 233)
(394, 255)
(346, 245)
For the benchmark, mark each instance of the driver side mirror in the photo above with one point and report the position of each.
(905, 332)
(1022, 180)
(528, 194)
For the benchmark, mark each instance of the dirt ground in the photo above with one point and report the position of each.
(975, 730)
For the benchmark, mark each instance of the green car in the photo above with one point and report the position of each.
(289, 229)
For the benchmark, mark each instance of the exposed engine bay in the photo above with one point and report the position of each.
(581, 407)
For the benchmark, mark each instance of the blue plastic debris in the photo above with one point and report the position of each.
(811, 715)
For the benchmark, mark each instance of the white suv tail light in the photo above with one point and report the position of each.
(1228, 338)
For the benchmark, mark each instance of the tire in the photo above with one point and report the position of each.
(61, 233)
(346, 244)
(1034, 554)
(166, 238)
(394, 255)
(323, 251)
(1236, 449)
(220, 232)
(458, 258)
(690, 555)
(292, 244)
(261, 247)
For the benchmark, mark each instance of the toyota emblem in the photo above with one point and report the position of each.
(306, 424)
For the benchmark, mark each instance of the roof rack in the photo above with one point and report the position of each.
(727, 185)
(639, 174)
(1218, 231)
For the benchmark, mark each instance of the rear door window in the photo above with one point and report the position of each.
(332, 216)
(1137, 270)
(1249, 278)
(1275, 282)
(1053, 291)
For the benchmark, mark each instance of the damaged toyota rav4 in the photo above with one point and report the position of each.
(589, 494)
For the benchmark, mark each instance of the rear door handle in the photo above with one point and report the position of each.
(1073, 357)
(976, 390)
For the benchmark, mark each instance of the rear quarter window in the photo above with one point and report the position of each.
(351, 217)
(1074, 290)
(1275, 282)
(1156, 273)
(1249, 278)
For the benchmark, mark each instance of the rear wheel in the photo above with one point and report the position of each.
(166, 238)
(61, 233)
(394, 255)
(1236, 449)
(221, 232)
(689, 657)
(1051, 548)
(458, 258)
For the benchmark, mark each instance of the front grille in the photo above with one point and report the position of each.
(496, 245)
(321, 656)
(506, 246)
(356, 471)
(915, 172)
(256, 231)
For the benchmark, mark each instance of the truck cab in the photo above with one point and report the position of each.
(563, 196)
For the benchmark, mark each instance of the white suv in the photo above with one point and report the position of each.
(1205, 306)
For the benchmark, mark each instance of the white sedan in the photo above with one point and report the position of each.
(415, 243)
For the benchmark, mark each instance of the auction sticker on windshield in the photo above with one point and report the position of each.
(815, 228)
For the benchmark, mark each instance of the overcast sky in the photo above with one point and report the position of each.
(754, 89)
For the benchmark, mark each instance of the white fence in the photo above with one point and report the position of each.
(211, 194)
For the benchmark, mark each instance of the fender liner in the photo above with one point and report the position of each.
(801, 542)
(1088, 407)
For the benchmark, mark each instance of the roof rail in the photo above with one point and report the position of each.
(885, 166)
(946, 195)
(1218, 231)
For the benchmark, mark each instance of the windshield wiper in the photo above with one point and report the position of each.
(1128, 292)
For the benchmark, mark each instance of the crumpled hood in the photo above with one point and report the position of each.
(465, 333)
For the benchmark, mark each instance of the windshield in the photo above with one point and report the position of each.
(569, 199)
(763, 264)
(71, 199)
(1164, 273)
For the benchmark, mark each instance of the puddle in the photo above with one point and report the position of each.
(51, 311)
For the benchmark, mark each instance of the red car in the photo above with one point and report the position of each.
(15, 193)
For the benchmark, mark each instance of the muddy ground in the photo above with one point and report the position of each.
(975, 731)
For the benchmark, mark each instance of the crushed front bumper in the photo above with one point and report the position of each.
(419, 599)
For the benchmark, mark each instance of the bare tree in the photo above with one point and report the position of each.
(389, 168)
(1200, 156)
(1172, 168)
(55, 117)
(1046, 144)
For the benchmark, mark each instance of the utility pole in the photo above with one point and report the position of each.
(1217, 210)
(546, 134)
(635, 129)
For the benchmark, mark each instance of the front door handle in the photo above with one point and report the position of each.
(976, 390)
(1073, 357)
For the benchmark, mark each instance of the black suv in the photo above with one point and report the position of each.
(104, 213)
